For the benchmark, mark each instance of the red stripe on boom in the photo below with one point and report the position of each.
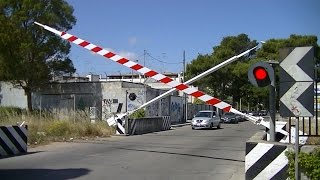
(213, 101)
(96, 49)
(197, 94)
(181, 87)
(166, 80)
(227, 109)
(84, 44)
(109, 55)
(151, 73)
(72, 38)
(122, 60)
(137, 67)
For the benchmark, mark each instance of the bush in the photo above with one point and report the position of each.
(138, 114)
(309, 164)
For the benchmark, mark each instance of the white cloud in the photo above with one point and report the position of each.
(129, 55)
(132, 41)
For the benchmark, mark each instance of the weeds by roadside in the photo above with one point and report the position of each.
(48, 128)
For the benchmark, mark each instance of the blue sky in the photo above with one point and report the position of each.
(165, 28)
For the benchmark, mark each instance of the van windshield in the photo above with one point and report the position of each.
(204, 114)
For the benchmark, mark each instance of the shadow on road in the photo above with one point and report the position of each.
(28, 153)
(41, 174)
(183, 154)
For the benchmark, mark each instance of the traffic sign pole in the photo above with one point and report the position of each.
(296, 148)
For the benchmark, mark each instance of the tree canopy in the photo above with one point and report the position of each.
(230, 83)
(29, 55)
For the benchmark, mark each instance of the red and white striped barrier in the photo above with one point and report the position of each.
(150, 73)
(144, 70)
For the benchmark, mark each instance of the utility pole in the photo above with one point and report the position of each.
(144, 64)
(184, 79)
(144, 57)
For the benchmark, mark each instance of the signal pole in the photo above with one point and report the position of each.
(272, 103)
(261, 74)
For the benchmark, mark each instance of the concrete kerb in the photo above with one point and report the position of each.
(180, 125)
(172, 126)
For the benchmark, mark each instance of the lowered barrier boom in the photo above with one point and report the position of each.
(149, 73)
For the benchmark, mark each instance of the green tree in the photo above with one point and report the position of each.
(270, 50)
(231, 83)
(29, 55)
(230, 80)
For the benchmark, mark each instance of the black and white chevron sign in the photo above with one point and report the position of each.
(296, 83)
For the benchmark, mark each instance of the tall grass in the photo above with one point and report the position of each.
(54, 126)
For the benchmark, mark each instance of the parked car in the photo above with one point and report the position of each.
(243, 118)
(263, 113)
(239, 118)
(206, 119)
(229, 117)
(254, 113)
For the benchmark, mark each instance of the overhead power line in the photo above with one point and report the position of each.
(163, 61)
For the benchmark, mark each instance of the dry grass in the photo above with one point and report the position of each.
(54, 127)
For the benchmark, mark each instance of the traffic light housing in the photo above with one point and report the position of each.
(261, 74)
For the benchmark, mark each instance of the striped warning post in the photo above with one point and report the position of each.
(283, 136)
(280, 130)
(144, 70)
(13, 140)
(120, 127)
(265, 161)
(166, 123)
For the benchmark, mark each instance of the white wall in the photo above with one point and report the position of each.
(10, 96)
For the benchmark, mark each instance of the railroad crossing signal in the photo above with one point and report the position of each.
(261, 74)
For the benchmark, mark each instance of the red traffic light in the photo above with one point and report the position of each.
(260, 73)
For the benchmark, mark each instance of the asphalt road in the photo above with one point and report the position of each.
(180, 153)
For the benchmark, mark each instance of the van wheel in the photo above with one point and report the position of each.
(219, 126)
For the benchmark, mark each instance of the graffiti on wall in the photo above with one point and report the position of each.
(176, 109)
(137, 102)
(165, 106)
(106, 108)
(152, 110)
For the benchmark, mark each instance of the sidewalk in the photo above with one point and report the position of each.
(188, 123)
